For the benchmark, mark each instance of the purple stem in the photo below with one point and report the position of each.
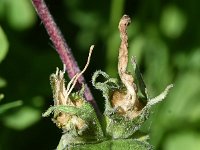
(61, 47)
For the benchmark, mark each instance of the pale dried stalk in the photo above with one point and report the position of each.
(60, 92)
(126, 78)
(73, 81)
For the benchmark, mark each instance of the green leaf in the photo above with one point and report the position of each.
(142, 91)
(2, 7)
(158, 73)
(173, 21)
(181, 107)
(3, 45)
(1, 96)
(185, 140)
(109, 83)
(160, 97)
(7, 106)
(136, 49)
(125, 144)
(22, 118)
(2, 82)
(184, 99)
(64, 108)
(21, 14)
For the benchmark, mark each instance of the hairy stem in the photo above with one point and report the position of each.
(61, 47)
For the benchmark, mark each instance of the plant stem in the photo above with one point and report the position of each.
(61, 47)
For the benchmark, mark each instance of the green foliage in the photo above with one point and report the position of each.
(118, 126)
(2, 82)
(125, 144)
(6, 107)
(18, 13)
(161, 57)
(173, 21)
(3, 46)
(1, 96)
(23, 118)
(176, 140)
(3, 51)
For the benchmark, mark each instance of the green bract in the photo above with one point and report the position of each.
(117, 125)
(127, 107)
(78, 120)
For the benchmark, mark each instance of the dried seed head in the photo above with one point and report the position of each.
(62, 96)
(68, 122)
(124, 106)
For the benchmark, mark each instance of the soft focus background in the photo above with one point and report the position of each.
(164, 36)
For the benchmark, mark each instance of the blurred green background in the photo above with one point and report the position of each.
(164, 36)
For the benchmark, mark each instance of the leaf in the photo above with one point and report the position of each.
(3, 45)
(2, 8)
(139, 81)
(158, 72)
(109, 83)
(64, 108)
(7, 106)
(21, 14)
(173, 21)
(22, 118)
(160, 97)
(181, 107)
(119, 144)
(136, 48)
(1, 96)
(184, 140)
(2, 82)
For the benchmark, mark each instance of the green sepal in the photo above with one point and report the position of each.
(86, 112)
(118, 126)
(92, 133)
(118, 144)
(107, 87)
(141, 86)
